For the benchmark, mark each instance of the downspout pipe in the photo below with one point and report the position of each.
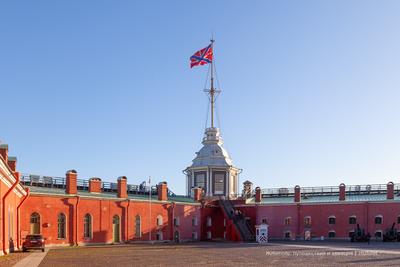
(4, 211)
(76, 220)
(127, 222)
(18, 218)
(173, 221)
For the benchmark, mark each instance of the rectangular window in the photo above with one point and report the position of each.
(264, 220)
(287, 235)
(307, 221)
(194, 235)
(332, 220)
(209, 235)
(200, 180)
(176, 221)
(209, 222)
(194, 221)
(352, 220)
(159, 236)
(219, 182)
(378, 220)
(288, 221)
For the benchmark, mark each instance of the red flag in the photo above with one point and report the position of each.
(202, 57)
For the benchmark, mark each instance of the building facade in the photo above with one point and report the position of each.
(72, 211)
(12, 195)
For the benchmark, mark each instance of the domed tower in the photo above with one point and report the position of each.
(212, 168)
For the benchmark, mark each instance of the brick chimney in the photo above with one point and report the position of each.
(162, 191)
(71, 177)
(197, 193)
(297, 194)
(390, 190)
(342, 192)
(95, 185)
(258, 194)
(122, 187)
(12, 163)
(4, 152)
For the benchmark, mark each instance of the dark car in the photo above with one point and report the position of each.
(33, 242)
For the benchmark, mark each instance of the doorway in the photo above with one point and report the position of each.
(116, 229)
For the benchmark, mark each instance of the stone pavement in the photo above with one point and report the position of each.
(33, 260)
(228, 254)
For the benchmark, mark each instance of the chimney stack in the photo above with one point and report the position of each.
(342, 192)
(71, 177)
(258, 194)
(95, 185)
(162, 191)
(12, 163)
(122, 187)
(390, 190)
(197, 193)
(297, 194)
(4, 152)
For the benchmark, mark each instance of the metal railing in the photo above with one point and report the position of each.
(329, 190)
(83, 185)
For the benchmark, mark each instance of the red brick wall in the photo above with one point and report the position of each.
(102, 212)
(8, 221)
(319, 213)
(217, 227)
(186, 213)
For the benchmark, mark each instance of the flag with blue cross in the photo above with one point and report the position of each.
(202, 57)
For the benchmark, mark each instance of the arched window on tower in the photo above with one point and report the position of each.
(138, 226)
(61, 221)
(87, 226)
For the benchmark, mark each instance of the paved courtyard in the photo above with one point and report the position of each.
(228, 254)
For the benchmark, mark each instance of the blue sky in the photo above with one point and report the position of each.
(310, 88)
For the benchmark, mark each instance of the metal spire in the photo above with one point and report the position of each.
(212, 91)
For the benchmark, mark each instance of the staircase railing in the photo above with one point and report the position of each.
(242, 225)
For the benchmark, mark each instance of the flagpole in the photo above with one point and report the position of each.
(150, 207)
(212, 91)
